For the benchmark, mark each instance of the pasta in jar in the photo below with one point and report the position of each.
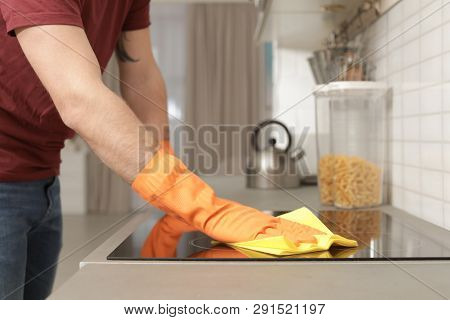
(349, 181)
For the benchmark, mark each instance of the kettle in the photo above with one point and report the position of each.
(274, 165)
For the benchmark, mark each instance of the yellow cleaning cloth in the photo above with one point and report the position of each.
(280, 246)
(337, 254)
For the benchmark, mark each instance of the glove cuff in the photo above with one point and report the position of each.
(159, 175)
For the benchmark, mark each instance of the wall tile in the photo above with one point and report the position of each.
(395, 16)
(397, 105)
(411, 178)
(446, 127)
(446, 66)
(431, 128)
(431, 156)
(396, 152)
(431, 71)
(431, 16)
(431, 99)
(395, 60)
(395, 38)
(395, 81)
(431, 182)
(446, 12)
(425, 3)
(397, 197)
(411, 28)
(397, 175)
(411, 103)
(411, 53)
(411, 154)
(431, 44)
(433, 210)
(445, 35)
(447, 187)
(410, 7)
(446, 97)
(397, 126)
(411, 129)
(379, 46)
(411, 78)
(447, 216)
(412, 203)
(380, 69)
(446, 150)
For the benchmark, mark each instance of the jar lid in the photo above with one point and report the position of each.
(342, 88)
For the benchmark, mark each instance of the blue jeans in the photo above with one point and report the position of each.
(30, 238)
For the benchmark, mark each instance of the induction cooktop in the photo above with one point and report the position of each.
(380, 237)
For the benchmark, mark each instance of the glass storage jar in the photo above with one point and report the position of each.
(351, 143)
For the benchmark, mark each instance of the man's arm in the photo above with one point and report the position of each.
(67, 66)
(142, 85)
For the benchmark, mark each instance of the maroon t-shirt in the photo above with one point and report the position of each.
(32, 133)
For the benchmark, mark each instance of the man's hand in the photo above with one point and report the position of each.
(168, 185)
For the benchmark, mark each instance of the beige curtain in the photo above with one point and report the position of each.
(225, 76)
(108, 194)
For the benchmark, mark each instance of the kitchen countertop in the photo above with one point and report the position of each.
(99, 278)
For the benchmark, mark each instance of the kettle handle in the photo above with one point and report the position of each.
(256, 131)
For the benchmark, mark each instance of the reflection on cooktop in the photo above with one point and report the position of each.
(379, 235)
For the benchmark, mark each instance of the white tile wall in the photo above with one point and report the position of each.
(446, 127)
(447, 215)
(431, 99)
(434, 211)
(446, 97)
(430, 14)
(411, 178)
(446, 152)
(431, 127)
(431, 71)
(447, 187)
(433, 181)
(446, 33)
(411, 129)
(431, 156)
(446, 67)
(412, 7)
(411, 103)
(446, 14)
(414, 58)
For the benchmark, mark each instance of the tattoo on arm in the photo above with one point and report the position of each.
(121, 51)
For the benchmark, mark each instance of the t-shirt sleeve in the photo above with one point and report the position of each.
(138, 17)
(27, 13)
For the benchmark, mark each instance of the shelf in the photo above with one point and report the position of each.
(302, 24)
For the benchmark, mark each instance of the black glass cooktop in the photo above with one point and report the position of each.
(379, 235)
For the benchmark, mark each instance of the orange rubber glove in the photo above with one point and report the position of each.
(163, 239)
(166, 183)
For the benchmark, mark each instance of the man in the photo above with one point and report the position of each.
(52, 54)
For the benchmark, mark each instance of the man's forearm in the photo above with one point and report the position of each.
(142, 85)
(148, 100)
(113, 132)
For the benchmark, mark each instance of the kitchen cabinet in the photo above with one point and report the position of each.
(301, 24)
(73, 177)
